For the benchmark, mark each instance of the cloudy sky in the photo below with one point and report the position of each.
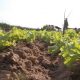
(36, 13)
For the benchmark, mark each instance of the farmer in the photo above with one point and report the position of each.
(65, 25)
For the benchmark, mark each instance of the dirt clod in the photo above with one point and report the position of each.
(31, 62)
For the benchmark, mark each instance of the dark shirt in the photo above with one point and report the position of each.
(65, 23)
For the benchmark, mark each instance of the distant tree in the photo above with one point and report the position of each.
(48, 27)
(5, 27)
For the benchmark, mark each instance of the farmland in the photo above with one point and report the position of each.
(49, 50)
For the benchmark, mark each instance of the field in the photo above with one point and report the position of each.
(39, 55)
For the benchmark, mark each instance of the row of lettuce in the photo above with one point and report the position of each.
(68, 44)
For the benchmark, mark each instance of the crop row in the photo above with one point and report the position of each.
(68, 44)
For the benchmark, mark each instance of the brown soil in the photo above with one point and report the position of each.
(28, 61)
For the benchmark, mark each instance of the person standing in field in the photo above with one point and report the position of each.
(65, 25)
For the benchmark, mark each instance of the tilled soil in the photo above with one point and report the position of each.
(28, 61)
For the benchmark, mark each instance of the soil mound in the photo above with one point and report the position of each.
(28, 61)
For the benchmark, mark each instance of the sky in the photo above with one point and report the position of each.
(37, 13)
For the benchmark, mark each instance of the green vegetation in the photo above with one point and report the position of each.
(68, 44)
